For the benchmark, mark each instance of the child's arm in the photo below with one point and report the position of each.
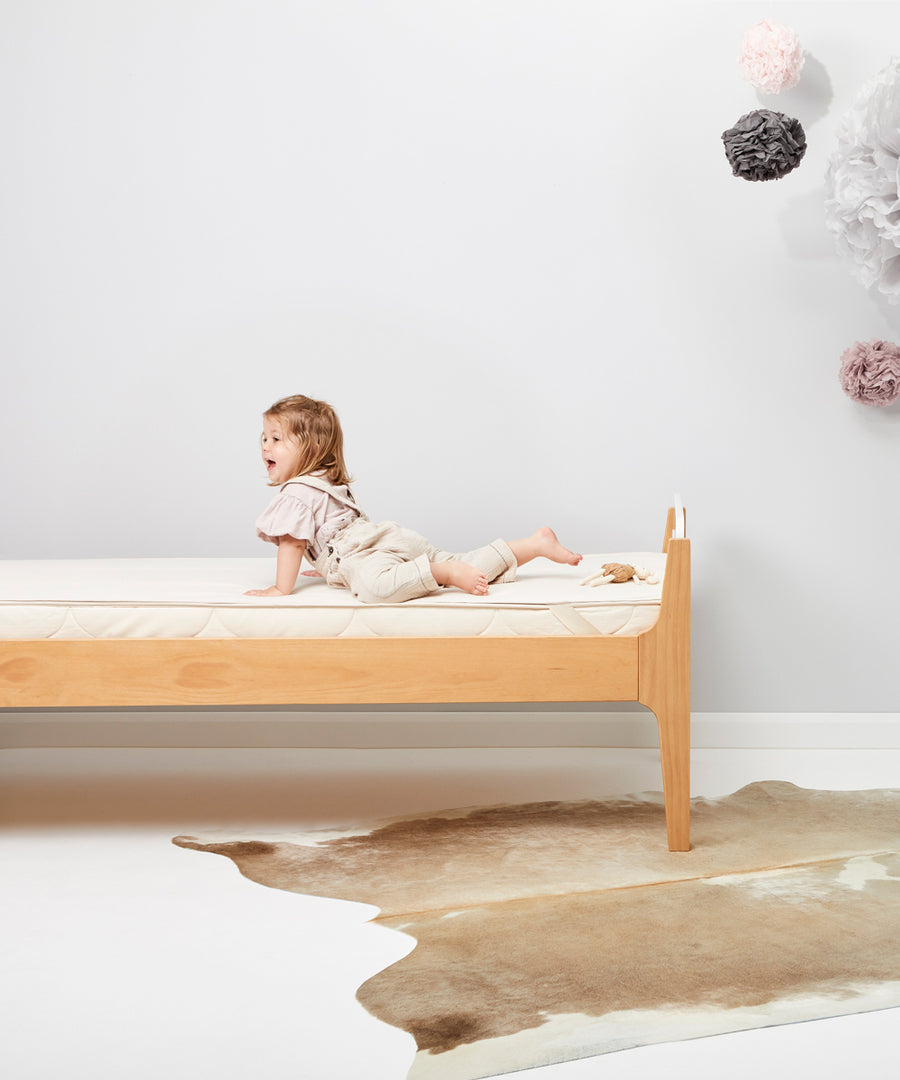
(290, 558)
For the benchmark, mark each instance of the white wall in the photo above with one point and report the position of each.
(502, 238)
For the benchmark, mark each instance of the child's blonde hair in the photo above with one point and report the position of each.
(315, 426)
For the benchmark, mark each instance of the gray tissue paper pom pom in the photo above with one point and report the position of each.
(764, 145)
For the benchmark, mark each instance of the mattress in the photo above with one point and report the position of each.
(203, 598)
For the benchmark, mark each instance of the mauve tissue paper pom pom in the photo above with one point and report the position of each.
(870, 372)
(771, 57)
(764, 145)
(862, 184)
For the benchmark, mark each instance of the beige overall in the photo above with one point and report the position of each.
(385, 563)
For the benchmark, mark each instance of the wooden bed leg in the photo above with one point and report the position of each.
(675, 750)
(664, 686)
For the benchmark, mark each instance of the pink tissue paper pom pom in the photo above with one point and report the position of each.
(771, 57)
(870, 372)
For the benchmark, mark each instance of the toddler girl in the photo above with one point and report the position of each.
(314, 514)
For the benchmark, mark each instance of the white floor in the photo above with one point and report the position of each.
(130, 959)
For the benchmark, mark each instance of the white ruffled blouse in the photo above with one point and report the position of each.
(306, 514)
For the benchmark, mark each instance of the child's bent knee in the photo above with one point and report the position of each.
(392, 586)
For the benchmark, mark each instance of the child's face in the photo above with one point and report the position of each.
(280, 452)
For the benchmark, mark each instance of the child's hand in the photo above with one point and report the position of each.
(272, 590)
(311, 573)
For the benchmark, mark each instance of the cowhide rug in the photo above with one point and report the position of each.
(553, 931)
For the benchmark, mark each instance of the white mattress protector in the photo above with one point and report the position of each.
(193, 597)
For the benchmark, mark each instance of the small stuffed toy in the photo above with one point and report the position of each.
(617, 572)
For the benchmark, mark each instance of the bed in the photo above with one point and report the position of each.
(103, 634)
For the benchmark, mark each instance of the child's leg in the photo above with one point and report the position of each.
(498, 561)
(474, 570)
(543, 543)
(461, 576)
(394, 564)
(386, 564)
(384, 577)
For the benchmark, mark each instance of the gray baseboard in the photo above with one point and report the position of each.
(434, 727)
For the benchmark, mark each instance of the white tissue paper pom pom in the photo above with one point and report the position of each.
(771, 57)
(862, 185)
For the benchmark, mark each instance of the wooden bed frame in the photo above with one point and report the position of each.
(652, 668)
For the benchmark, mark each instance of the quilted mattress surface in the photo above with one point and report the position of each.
(191, 597)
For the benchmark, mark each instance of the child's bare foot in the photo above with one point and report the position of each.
(543, 543)
(461, 576)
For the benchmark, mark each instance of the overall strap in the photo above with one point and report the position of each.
(322, 485)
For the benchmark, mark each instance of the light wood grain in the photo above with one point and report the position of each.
(204, 671)
(664, 685)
